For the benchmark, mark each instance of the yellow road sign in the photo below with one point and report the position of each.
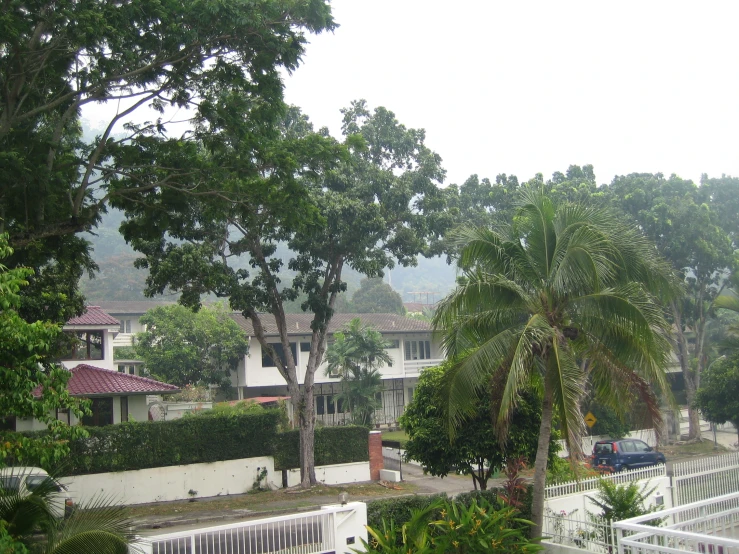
(590, 420)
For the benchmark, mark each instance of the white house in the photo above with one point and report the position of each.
(115, 396)
(128, 315)
(413, 348)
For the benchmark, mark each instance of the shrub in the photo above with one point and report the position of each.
(451, 526)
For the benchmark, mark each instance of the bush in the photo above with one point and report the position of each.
(333, 445)
(189, 440)
(451, 526)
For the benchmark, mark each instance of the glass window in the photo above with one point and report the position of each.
(124, 408)
(428, 350)
(641, 446)
(320, 405)
(102, 413)
(88, 345)
(628, 446)
(330, 407)
(35, 481)
(305, 347)
(411, 390)
(267, 360)
(340, 406)
(407, 350)
(10, 484)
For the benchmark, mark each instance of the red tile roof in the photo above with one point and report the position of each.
(299, 324)
(87, 380)
(94, 315)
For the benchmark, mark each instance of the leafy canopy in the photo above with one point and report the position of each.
(183, 347)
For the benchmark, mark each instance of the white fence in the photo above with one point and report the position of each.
(708, 527)
(591, 484)
(592, 534)
(335, 529)
(705, 478)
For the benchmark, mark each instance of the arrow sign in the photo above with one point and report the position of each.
(590, 420)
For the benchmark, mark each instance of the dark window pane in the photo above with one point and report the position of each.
(124, 408)
(102, 413)
(331, 409)
(407, 350)
(267, 360)
(305, 347)
(340, 406)
(320, 409)
(428, 350)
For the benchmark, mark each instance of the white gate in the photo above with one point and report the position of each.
(333, 529)
(705, 478)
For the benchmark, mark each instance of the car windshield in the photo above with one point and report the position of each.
(34, 481)
(10, 484)
(604, 448)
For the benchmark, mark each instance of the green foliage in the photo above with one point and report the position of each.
(608, 423)
(9, 545)
(236, 408)
(561, 283)
(357, 354)
(718, 397)
(191, 348)
(452, 526)
(474, 448)
(188, 440)
(24, 370)
(374, 296)
(92, 528)
(190, 393)
(333, 445)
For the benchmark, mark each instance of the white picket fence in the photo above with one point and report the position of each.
(705, 478)
(591, 484)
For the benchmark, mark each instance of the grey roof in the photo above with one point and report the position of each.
(299, 324)
(131, 307)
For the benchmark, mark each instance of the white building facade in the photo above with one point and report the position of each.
(413, 347)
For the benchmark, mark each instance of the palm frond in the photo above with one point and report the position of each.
(567, 381)
(727, 302)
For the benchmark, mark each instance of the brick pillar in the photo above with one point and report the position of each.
(375, 454)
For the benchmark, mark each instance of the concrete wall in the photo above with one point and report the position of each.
(334, 474)
(163, 484)
(172, 483)
(175, 410)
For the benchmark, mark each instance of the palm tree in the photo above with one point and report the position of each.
(729, 300)
(357, 354)
(94, 528)
(560, 285)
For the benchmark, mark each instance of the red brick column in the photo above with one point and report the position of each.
(375, 454)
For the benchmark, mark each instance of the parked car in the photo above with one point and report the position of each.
(620, 454)
(25, 480)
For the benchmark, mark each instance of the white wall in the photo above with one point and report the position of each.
(334, 474)
(175, 410)
(163, 484)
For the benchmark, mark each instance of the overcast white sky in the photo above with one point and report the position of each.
(524, 87)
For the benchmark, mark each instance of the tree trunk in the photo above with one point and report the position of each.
(307, 440)
(540, 465)
(683, 355)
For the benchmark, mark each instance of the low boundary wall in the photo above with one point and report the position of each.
(164, 484)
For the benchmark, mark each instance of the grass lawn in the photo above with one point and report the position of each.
(266, 501)
(692, 449)
(400, 436)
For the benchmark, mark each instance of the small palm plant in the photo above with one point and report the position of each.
(96, 527)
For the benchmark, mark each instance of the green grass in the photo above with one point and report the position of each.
(400, 436)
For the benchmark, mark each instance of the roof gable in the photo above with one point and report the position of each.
(87, 380)
(94, 315)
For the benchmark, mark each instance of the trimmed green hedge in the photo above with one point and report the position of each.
(399, 509)
(333, 445)
(189, 440)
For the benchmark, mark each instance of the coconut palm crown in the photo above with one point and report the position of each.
(563, 293)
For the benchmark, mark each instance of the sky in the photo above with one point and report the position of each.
(524, 87)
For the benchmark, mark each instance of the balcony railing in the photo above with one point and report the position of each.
(414, 367)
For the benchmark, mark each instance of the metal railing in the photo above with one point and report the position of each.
(705, 478)
(593, 534)
(415, 366)
(307, 533)
(707, 527)
(591, 484)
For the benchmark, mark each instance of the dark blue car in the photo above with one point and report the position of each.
(620, 454)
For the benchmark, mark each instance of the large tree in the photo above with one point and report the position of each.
(58, 57)
(692, 230)
(25, 373)
(562, 283)
(475, 450)
(718, 397)
(375, 296)
(186, 348)
(366, 205)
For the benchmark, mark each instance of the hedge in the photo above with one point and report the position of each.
(192, 440)
(399, 509)
(189, 440)
(333, 445)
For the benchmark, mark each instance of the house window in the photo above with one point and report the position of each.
(394, 344)
(88, 345)
(320, 405)
(267, 360)
(417, 350)
(305, 347)
(330, 406)
(124, 408)
(125, 326)
(102, 413)
(411, 390)
(7, 423)
(130, 369)
(63, 415)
